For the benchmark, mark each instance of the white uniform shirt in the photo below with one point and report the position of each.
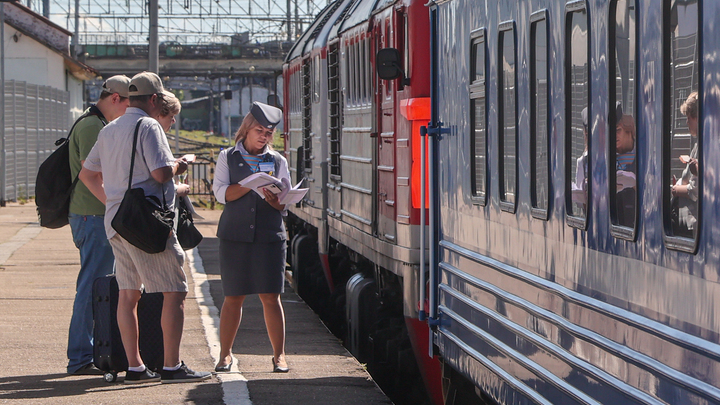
(111, 156)
(221, 181)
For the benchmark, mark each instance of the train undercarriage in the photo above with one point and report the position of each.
(362, 305)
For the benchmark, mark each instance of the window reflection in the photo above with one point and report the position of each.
(477, 109)
(625, 197)
(684, 164)
(507, 118)
(577, 113)
(540, 173)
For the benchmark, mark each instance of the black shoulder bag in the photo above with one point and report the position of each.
(188, 236)
(141, 219)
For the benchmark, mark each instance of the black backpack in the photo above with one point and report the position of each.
(54, 183)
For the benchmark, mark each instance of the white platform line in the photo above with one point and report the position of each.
(23, 236)
(234, 384)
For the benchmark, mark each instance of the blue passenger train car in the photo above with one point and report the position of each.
(574, 168)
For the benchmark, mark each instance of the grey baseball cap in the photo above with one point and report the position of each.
(145, 84)
(117, 84)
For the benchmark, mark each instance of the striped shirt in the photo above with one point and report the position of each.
(253, 161)
(625, 161)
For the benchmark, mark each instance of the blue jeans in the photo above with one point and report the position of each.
(96, 260)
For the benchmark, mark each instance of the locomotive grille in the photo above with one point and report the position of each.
(307, 114)
(335, 108)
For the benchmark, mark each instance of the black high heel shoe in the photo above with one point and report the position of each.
(278, 369)
(225, 368)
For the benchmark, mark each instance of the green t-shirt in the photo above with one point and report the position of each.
(82, 140)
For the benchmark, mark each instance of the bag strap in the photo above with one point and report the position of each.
(60, 141)
(132, 152)
(132, 160)
(91, 112)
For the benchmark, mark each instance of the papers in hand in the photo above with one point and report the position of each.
(625, 179)
(286, 194)
(291, 195)
(258, 181)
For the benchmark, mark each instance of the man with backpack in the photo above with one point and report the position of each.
(86, 218)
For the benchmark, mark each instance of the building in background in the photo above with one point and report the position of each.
(43, 96)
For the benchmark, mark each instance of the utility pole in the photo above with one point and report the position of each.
(76, 36)
(154, 50)
(289, 22)
(2, 103)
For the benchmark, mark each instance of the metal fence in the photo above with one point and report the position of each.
(200, 177)
(35, 117)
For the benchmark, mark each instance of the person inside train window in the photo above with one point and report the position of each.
(684, 190)
(579, 187)
(625, 169)
(252, 233)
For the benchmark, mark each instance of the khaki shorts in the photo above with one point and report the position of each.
(159, 272)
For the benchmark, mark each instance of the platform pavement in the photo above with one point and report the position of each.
(38, 268)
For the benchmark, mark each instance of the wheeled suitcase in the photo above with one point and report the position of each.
(108, 351)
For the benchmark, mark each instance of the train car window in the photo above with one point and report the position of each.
(622, 140)
(507, 118)
(478, 123)
(360, 73)
(682, 168)
(405, 47)
(345, 63)
(540, 159)
(316, 79)
(365, 60)
(389, 86)
(369, 76)
(353, 75)
(577, 114)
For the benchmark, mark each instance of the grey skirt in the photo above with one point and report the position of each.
(252, 268)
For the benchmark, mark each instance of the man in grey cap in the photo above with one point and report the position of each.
(86, 221)
(105, 172)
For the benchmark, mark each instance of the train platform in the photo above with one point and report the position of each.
(38, 269)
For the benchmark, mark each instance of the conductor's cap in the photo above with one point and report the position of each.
(267, 115)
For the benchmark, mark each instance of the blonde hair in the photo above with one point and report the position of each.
(690, 107)
(248, 123)
(627, 122)
(170, 104)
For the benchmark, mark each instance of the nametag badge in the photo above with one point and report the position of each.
(266, 167)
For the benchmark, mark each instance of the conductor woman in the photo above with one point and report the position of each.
(251, 233)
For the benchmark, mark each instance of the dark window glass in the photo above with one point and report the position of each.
(508, 122)
(540, 179)
(478, 124)
(683, 105)
(623, 189)
(577, 118)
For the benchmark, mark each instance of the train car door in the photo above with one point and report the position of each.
(385, 132)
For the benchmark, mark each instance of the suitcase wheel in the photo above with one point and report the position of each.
(110, 377)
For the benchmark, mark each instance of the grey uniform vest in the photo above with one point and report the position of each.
(249, 218)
